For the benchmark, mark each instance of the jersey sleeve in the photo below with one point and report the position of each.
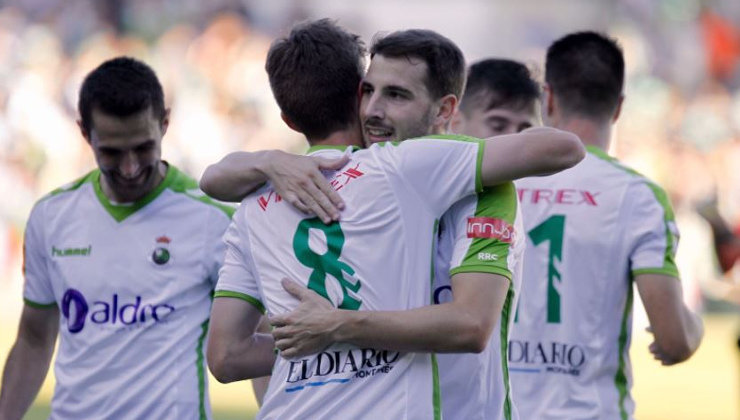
(484, 230)
(37, 289)
(438, 170)
(652, 233)
(237, 277)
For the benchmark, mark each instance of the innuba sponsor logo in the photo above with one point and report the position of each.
(490, 228)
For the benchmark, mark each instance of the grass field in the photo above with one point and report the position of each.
(706, 387)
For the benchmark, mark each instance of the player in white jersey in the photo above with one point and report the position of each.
(394, 196)
(592, 232)
(129, 255)
(500, 98)
(402, 98)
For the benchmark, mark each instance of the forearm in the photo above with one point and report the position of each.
(248, 358)
(236, 175)
(23, 376)
(694, 332)
(444, 328)
(533, 152)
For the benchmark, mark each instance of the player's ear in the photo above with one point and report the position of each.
(289, 122)
(83, 131)
(619, 109)
(165, 121)
(457, 124)
(447, 108)
(548, 101)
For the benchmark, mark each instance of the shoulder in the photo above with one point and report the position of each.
(187, 187)
(71, 187)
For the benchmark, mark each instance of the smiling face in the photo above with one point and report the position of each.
(128, 152)
(395, 103)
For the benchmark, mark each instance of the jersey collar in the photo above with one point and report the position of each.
(340, 147)
(120, 212)
(594, 150)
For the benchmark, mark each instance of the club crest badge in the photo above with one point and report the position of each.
(161, 254)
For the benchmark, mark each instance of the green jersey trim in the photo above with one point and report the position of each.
(38, 305)
(245, 297)
(481, 269)
(436, 391)
(121, 212)
(669, 262)
(76, 184)
(504, 338)
(183, 184)
(666, 271)
(200, 368)
(340, 147)
(499, 202)
(620, 379)
(479, 159)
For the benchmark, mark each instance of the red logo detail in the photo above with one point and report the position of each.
(491, 228)
(567, 196)
(343, 178)
(264, 201)
(163, 240)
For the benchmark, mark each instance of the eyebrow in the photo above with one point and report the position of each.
(396, 88)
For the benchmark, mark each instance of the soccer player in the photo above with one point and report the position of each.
(394, 195)
(411, 89)
(121, 264)
(592, 232)
(413, 75)
(501, 97)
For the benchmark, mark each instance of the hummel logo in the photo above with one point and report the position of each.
(67, 252)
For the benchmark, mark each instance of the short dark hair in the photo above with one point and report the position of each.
(501, 83)
(445, 62)
(315, 74)
(121, 86)
(585, 71)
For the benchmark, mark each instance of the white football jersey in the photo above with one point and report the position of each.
(481, 234)
(372, 259)
(590, 230)
(133, 284)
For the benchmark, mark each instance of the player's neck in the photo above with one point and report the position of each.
(348, 137)
(591, 133)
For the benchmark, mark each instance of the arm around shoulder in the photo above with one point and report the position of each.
(235, 176)
(533, 152)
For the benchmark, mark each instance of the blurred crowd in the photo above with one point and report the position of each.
(210, 57)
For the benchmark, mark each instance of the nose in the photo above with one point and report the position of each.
(129, 166)
(373, 106)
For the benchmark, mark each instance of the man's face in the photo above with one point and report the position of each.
(394, 101)
(482, 122)
(128, 151)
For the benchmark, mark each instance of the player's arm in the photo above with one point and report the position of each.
(463, 325)
(235, 349)
(298, 179)
(651, 230)
(532, 152)
(29, 360)
(259, 385)
(677, 330)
